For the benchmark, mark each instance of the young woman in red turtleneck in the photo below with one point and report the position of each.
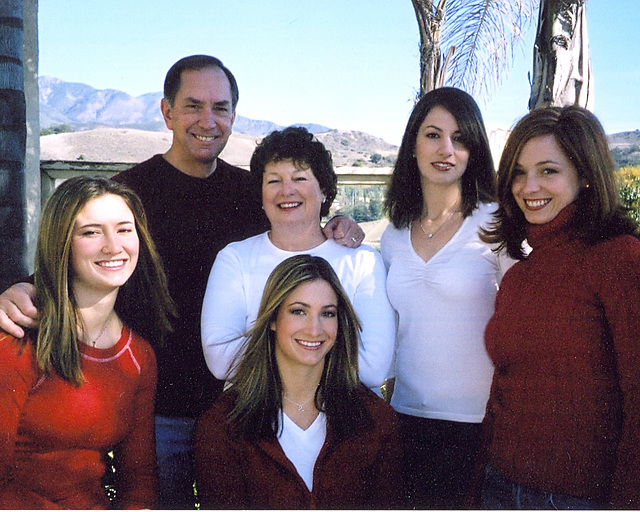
(563, 417)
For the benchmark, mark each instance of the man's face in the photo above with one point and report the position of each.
(201, 118)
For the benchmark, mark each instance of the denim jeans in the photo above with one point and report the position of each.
(500, 493)
(174, 448)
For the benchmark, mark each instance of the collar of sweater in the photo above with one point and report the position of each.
(554, 232)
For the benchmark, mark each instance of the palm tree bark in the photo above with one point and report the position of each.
(430, 26)
(13, 135)
(561, 64)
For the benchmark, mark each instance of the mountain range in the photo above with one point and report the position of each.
(82, 107)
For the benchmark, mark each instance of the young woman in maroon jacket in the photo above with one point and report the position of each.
(83, 383)
(563, 415)
(296, 429)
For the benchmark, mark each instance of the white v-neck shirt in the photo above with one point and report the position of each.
(441, 366)
(301, 446)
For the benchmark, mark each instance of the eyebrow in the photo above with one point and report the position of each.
(299, 303)
(98, 224)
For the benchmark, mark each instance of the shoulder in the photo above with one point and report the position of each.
(483, 215)
(214, 420)
(393, 234)
(142, 351)
(142, 172)
(380, 410)
(615, 251)
(245, 247)
(17, 355)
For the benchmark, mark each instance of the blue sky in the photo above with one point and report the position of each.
(349, 65)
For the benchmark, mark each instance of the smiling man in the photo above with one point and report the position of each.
(196, 204)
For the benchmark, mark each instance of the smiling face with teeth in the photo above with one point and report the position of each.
(306, 326)
(104, 245)
(440, 153)
(201, 119)
(544, 180)
(291, 195)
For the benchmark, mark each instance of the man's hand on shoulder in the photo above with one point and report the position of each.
(17, 309)
(344, 231)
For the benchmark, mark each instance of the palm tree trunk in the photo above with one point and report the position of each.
(13, 135)
(561, 64)
(430, 26)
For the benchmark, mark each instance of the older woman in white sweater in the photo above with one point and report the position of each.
(295, 174)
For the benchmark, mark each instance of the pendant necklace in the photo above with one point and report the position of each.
(299, 406)
(431, 235)
(104, 328)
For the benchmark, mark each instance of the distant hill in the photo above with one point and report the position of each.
(112, 126)
(625, 147)
(82, 107)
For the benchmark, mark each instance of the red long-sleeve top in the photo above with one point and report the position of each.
(564, 408)
(54, 436)
(361, 472)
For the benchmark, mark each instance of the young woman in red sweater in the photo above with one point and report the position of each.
(83, 383)
(296, 429)
(563, 415)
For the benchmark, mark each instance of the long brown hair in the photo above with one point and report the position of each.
(599, 214)
(256, 381)
(143, 301)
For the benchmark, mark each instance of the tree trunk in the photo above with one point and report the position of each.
(430, 25)
(13, 135)
(561, 63)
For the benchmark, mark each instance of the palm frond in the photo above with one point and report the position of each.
(485, 34)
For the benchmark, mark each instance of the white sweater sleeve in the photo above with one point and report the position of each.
(377, 339)
(224, 314)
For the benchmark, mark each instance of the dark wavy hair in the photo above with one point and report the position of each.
(300, 146)
(256, 380)
(404, 201)
(173, 79)
(599, 214)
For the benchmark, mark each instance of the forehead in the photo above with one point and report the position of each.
(208, 84)
(105, 208)
(287, 166)
(440, 117)
(542, 148)
(313, 292)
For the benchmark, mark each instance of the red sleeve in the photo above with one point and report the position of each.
(219, 475)
(135, 456)
(619, 293)
(17, 378)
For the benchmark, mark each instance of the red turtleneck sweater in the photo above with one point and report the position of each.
(564, 408)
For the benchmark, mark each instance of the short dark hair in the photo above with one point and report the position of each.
(404, 201)
(300, 146)
(195, 63)
(599, 214)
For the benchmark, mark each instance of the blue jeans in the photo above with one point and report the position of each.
(500, 493)
(174, 449)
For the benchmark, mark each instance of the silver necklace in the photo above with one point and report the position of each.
(431, 235)
(299, 406)
(104, 328)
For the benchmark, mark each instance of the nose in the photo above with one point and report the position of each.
(530, 183)
(207, 119)
(314, 325)
(446, 146)
(111, 244)
(288, 187)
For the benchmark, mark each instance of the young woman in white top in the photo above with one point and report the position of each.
(294, 173)
(442, 281)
